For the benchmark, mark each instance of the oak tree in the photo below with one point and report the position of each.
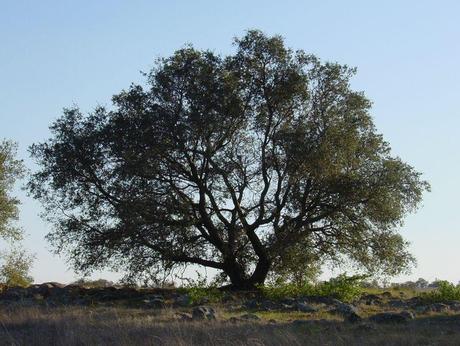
(230, 162)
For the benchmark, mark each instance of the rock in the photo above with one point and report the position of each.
(203, 313)
(345, 309)
(250, 317)
(386, 295)
(408, 314)
(455, 306)
(182, 300)
(414, 301)
(155, 302)
(289, 301)
(370, 299)
(438, 307)
(397, 303)
(421, 309)
(392, 317)
(352, 317)
(128, 293)
(15, 293)
(269, 305)
(349, 312)
(303, 307)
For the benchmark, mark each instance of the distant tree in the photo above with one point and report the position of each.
(421, 283)
(234, 163)
(99, 283)
(15, 268)
(16, 263)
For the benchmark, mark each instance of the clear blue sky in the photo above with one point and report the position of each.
(57, 53)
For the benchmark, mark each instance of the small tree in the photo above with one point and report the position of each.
(14, 270)
(10, 170)
(230, 163)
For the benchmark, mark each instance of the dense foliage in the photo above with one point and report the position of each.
(240, 163)
(15, 263)
(342, 287)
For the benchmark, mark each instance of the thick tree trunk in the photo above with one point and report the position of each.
(240, 281)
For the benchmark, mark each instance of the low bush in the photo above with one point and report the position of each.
(444, 292)
(342, 287)
(202, 292)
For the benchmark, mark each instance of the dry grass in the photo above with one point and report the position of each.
(122, 326)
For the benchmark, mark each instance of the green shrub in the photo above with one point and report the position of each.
(343, 287)
(444, 292)
(200, 291)
(15, 269)
(277, 291)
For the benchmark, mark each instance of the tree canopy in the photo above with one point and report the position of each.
(10, 170)
(16, 263)
(231, 162)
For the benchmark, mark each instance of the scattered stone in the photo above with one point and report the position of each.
(182, 300)
(397, 303)
(438, 307)
(155, 302)
(203, 313)
(454, 306)
(371, 299)
(289, 301)
(408, 314)
(269, 305)
(15, 293)
(303, 307)
(386, 295)
(349, 312)
(392, 317)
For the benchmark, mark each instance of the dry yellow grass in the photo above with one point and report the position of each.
(122, 326)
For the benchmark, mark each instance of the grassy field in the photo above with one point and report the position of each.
(54, 314)
(124, 326)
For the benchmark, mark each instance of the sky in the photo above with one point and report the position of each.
(55, 54)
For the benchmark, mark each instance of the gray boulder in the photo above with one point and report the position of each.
(349, 312)
(397, 303)
(15, 293)
(392, 317)
(155, 302)
(304, 307)
(269, 305)
(182, 300)
(439, 307)
(203, 313)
